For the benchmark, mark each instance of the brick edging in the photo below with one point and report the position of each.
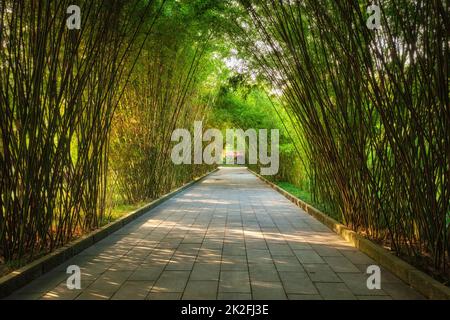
(426, 285)
(22, 276)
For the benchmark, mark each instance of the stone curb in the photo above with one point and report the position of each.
(20, 277)
(426, 285)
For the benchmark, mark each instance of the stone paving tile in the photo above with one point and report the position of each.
(171, 281)
(321, 273)
(228, 237)
(164, 296)
(335, 291)
(205, 271)
(233, 250)
(263, 272)
(95, 294)
(280, 249)
(146, 273)
(139, 252)
(287, 264)
(200, 290)
(188, 249)
(158, 258)
(256, 244)
(234, 296)
(213, 244)
(305, 297)
(109, 282)
(213, 259)
(181, 263)
(308, 256)
(234, 281)
(341, 264)
(126, 264)
(234, 263)
(133, 290)
(268, 290)
(326, 250)
(259, 256)
(297, 282)
(299, 245)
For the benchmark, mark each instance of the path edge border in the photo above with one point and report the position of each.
(24, 275)
(426, 285)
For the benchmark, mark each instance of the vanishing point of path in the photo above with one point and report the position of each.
(228, 237)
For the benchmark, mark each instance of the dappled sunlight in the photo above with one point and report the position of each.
(51, 295)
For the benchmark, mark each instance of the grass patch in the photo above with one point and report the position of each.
(306, 196)
(119, 211)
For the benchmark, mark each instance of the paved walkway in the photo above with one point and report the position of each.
(228, 237)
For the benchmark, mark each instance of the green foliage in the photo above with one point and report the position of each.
(87, 117)
(58, 92)
(240, 108)
(168, 92)
(370, 109)
(307, 197)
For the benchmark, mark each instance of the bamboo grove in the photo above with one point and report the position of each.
(372, 108)
(165, 95)
(87, 115)
(58, 92)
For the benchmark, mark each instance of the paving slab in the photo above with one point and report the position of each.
(205, 271)
(268, 290)
(201, 290)
(228, 237)
(234, 281)
(133, 290)
(335, 291)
